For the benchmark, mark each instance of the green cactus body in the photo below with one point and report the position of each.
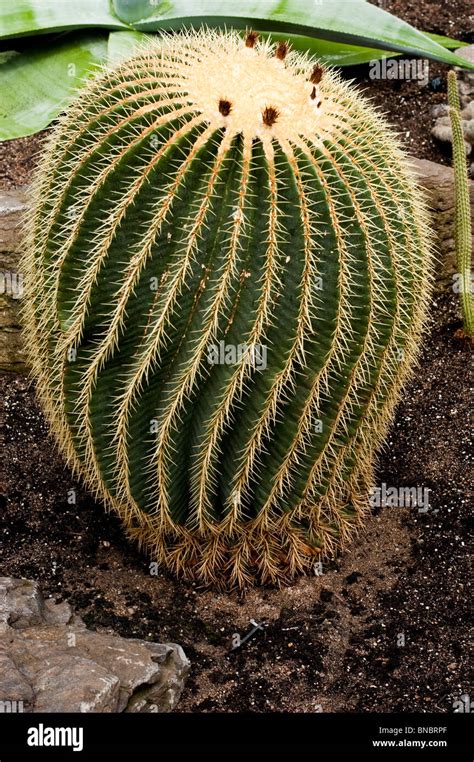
(462, 208)
(228, 268)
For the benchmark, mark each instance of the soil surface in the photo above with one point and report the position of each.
(406, 104)
(383, 628)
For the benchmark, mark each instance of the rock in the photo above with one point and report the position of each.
(22, 605)
(468, 128)
(76, 685)
(465, 89)
(441, 109)
(14, 685)
(438, 183)
(466, 52)
(51, 662)
(468, 113)
(466, 76)
(441, 130)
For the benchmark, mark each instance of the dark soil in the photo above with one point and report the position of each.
(384, 628)
(452, 18)
(406, 104)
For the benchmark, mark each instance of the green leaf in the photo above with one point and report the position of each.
(6, 55)
(447, 42)
(124, 45)
(37, 85)
(131, 10)
(353, 22)
(22, 17)
(340, 54)
(331, 53)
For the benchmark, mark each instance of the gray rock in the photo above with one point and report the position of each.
(467, 52)
(51, 662)
(13, 686)
(466, 76)
(441, 129)
(468, 112)
(21, 604)
(441, 109)
(465, 88)
(71, 683)
(468, 129)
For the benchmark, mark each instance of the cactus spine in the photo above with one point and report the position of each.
(463, 230)
(211, 193)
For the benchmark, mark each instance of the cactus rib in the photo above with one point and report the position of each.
(212, 191)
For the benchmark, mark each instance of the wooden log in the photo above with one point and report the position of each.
(436, 179)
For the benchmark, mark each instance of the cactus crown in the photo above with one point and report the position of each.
(263, 97)
(227, 274)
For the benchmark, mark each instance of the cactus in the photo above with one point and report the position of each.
(211, 194)
(462, 215)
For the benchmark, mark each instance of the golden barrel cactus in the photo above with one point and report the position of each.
(227, 268)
